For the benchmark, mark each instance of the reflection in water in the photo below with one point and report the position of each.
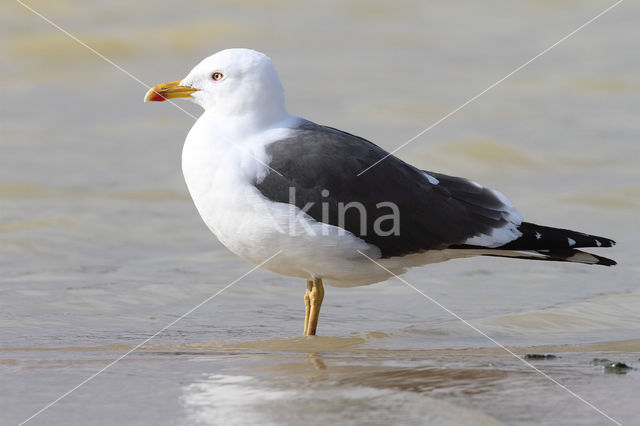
(315, 360)
(286, 385)
(243, 400)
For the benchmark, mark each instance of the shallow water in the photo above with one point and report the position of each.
(101, 247)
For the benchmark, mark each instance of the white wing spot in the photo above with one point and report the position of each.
(571, 242)
(598, 243)
(538, 235)
(431, 179)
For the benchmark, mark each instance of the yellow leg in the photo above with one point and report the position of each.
(307, 304)
(315, 291)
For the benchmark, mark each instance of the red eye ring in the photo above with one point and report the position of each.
(217, 76)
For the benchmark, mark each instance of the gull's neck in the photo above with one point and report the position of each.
(239, 127)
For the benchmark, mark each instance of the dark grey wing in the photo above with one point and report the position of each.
(317, 159)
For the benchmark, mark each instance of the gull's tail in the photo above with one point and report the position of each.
(545, 243)
(557, 255)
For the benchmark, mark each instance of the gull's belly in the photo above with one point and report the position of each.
(241, 222)
(256, 229)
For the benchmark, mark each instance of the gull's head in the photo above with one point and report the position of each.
(232, 82)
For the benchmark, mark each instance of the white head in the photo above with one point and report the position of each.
(232, 83)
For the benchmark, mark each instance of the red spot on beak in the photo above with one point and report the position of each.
(155, 97)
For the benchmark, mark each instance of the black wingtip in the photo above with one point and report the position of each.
(538, 237)
(601, 241)
(578, 256)
(604, 260)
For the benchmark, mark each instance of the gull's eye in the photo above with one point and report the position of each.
(217, 76)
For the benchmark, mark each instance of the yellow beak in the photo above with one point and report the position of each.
(171, 90)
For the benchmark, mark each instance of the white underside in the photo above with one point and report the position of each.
(220, 172)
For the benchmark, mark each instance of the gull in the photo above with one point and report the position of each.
(266, 182)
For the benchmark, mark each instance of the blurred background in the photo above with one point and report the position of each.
(101, 246)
